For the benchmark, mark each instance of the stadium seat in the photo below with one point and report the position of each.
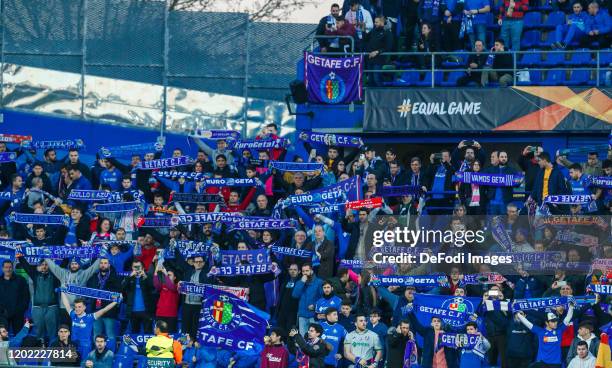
(554, 59)
(451, 80)
(532, 20)
(530, 60)
(553, 20)
(553, 78)
(579, 58)
(492, 22)
(535, 78)
(426, 82)
(579, 78)
(548, 40)
(406, 79)
(605, 57)
(531, 39)
(459, 62)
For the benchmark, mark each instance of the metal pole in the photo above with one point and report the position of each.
(433, 68)
(162, 126)
(597, 68)
(514, 68)
(83, 56)
(2, 54)
(246, 77)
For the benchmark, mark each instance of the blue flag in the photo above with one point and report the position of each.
(333, 80)
(231, 323)
(454, 310)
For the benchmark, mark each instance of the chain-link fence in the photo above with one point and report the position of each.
(138, 62)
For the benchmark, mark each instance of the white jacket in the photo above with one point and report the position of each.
(588, 362)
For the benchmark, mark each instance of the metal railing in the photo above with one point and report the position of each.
(435, 66)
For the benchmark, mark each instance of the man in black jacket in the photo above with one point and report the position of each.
(327, 22)
(105, 279)
(499, 197)
(45, 306)
(440, 179)
(192, 303)
(502, 61)
(377, 42)
(287, 307)
(138, 294)
(475, 62)
(15, 297)
(397, 338)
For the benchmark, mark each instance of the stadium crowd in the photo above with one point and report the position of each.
(379, 27)
(326, 304)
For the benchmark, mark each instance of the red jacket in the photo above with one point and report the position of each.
(167, 305)
(147, 256)
(520, 7)
(274, 356)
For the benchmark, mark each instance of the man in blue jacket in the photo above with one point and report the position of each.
(499, 197)
(577, 27)
(601, 24)
(308, 290)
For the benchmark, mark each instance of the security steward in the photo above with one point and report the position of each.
(162, 345)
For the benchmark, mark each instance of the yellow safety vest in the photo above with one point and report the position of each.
(160, 347)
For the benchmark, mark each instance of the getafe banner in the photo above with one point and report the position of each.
(454, 310)
(469, 109)
(333, 80)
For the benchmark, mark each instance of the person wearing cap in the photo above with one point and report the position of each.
(585, 333)
(549, 337)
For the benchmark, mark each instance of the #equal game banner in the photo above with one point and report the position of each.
(332, 80)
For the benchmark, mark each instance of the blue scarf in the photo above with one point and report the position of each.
(237, 257)
(411, 357)
(6, 196)
(179, 174)
(601, 181)
(492, 180)
(257, 144)
(423, 281)
(89, 195)
(601, 289)
(295, 166)
(569, 199)
(585, 149)
(118, 207)
(482, 279)
(190, 249)
(7, 157)
(62, 252)
(64, 144)
(110, 243)
(36, 218)
(262, 223)
(13, 244)
(572, 237)
(531, 257)
(206, 218)
(86, 292)
(466, 25)
(466, 341)
(155, 222)
(332, 208)
(190, 288)
(498, 230)
(302, 253)
(231, 182)
(118, 196)
(130, 150)
(338, 140)
(242, 270)
(216, 134)
(197, 198)
(543, 303)
(164, 163)
(401, 190)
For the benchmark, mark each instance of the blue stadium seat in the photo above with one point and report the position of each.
(602, 79)
(554, 19)
(579, 58)
(605, 57)
(451, 80)
(406, 79)
(553, 78)
(535, 78)
(530, 60)
(459, 64)
(548, 40)
(532, 20)
(554, 59)
(579, 78)
(426, 82)
(492, 22)
(531, 39)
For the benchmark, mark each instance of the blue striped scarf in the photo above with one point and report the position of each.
(601, 181)
(215, 134)
(485, 179)
(262, 223)
(243, 270)
(295, 166)
(423, 281)
(302, 253)
(119, 207)
(36, 218)
(92, 293)
(64, 144)
(130, 150)
(89, 195)
(164, 163)
(331, 139)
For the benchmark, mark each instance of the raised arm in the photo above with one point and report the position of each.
(66, 303)
(102, 311)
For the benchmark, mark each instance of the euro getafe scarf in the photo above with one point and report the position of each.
(89, 195)
(427, 281)
(331, 139)
(257, 144)
(7, 157)
(231, 182)
(215, 134)
(485, 179)
(64, 144)
(130, 150)
(411, 355)
(262, 223)
(14, 138)
(196, 198)
(92, 293)
(39, 218)
(601, 181)
(295, 166)
(286, 251)
(164, 163)
(62, 252)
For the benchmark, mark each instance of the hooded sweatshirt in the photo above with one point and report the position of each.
(68, 277)
(274, 356)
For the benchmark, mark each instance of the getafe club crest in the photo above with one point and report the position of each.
(220, 313)
(333, 88)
